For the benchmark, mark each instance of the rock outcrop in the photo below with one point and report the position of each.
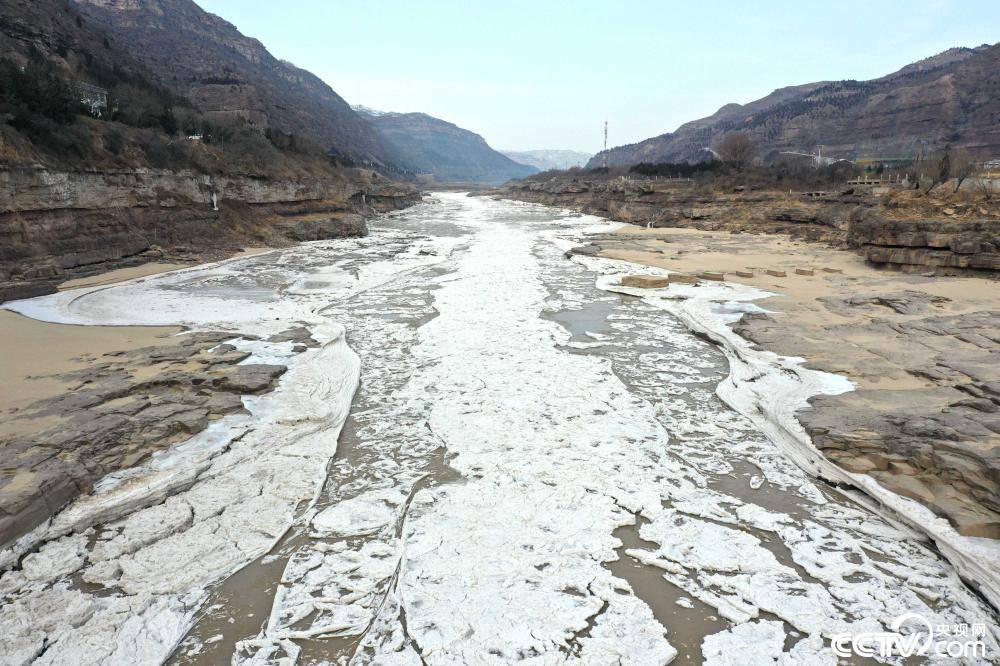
(325, 229)
(855, 219)
(120, 410)
(58, 225)
(937, 443)
(916, 244)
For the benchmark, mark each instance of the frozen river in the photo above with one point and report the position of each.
(488, 458)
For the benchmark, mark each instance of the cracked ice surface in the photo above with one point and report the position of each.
(510, 419)
(556, 449)
(120, 573)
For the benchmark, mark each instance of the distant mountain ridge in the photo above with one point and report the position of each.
(950, 99)
(543, 160)
(222, 71)
(449, 153)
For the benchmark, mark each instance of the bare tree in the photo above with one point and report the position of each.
(984, 187)
(736, 149)
(941, 172)
(961, 166)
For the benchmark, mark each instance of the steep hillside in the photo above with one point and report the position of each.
(543, 160)
(951, 99)
(100, 167)
(229, 75)
(443, 150)
(52, 29)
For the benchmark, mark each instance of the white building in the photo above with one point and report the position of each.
(93, 97)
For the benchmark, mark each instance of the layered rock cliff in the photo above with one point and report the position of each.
(953, 244)
(857, 218)
(56, 225)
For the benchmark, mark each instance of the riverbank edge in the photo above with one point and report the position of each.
(47, 530)
(155, 486)
(773, 406)
(977, 561)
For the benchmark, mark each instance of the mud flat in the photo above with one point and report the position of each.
(912, 419)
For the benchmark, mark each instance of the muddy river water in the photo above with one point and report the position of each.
(486, 459)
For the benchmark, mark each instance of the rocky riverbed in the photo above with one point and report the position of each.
(489, 454)
(115, 413)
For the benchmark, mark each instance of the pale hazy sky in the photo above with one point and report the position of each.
(534, 74)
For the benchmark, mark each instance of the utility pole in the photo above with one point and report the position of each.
(605, 151)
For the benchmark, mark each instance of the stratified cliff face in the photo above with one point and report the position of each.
(82, 194)
(952, 99)
(429, 145)
(57, 225)
(208, 60)
(856, 219)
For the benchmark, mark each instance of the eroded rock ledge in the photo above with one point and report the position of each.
(939, 443)
(116, 413)
(914, 244)
(56, 226)
(856, 217)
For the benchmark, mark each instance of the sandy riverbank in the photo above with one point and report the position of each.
(33, 352)
(921, 350)
(79, 401)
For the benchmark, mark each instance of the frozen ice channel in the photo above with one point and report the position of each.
(486, 459)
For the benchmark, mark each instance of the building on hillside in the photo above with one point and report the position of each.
(93, 97)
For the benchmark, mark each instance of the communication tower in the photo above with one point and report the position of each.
(605, 152)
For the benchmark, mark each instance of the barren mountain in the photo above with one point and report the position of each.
(226, 73)
(549, 159)
(53, 30)
(429, 145)
(951, 99)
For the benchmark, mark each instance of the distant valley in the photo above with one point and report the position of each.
(441, 151)
(543, 160)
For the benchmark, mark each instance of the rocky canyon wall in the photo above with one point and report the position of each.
(858, 219)
(56, 225)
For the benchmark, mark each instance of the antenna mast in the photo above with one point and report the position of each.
(605, 152)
